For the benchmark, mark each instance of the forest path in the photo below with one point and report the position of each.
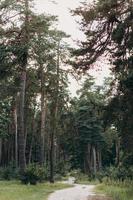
(78, 192)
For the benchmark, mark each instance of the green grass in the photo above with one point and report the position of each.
(87, 182)
(116, 192)
(12, 190)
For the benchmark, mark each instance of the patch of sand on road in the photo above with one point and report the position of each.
(78, 192)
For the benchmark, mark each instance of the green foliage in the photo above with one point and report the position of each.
(113, 174)
(76, 128)
(106, 24)
(117, 190)
(79, 176)
(33, 174)
(88, 120)
(4, 117)
(9, 173)
(15, 190)
(62, 168)
(128, 160)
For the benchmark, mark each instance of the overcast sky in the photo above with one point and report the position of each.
(68, 24)
(62, 8)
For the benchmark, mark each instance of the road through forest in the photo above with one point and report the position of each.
(78, 192)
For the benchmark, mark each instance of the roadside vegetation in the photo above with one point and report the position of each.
(14, 190)
(117, 190)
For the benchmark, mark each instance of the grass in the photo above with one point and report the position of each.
(13, 190)
(117, 192)
(87, 182)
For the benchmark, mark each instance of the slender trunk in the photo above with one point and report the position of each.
(43, 118)
(22, 160)
(87, 160)
(117, 151)
(52, 140)
(32, 139)
(16, 134)
(10, 145)
(51, 157)
(54, 114)
(94, 160)
(30, 151)
(89, 157)
(0, 151)
(99, 160)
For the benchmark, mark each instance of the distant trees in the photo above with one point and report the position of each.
(90, 127)
(31, 78)
(87, 141)
(109, 32)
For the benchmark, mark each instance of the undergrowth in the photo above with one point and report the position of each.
(118, 190)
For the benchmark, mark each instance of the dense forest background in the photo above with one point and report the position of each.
(43, 130)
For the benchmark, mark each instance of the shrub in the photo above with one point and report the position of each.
(58, 177)
(79, 176)
(5, 174)
(9, 173)
(128, 160)
(119, 173)
(62, 168)
(100, 176)
(33, 174)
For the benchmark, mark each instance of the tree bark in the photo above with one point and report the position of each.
(32, 139)
(22, 159)
(87, 163)
(54, 114)
(24, 62)
(117, 145)
(99, 159)
(43, 118)
(15, 119)
(94, 159)
(0, 151)
(51, 157)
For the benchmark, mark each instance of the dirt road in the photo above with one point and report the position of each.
(78, 192)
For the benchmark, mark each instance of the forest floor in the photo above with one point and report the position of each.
(78, 192)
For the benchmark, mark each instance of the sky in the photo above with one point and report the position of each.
(68, 24)
(62, 9)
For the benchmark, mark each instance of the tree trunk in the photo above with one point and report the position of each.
(99, 159)
(87, 160)
(54, 114)
(22, 160)
(32, 139)
(89, 157)
(24, 62)
(43, 118)
(15, 119)
(94, 160)
(51, 157)
(117, 145)
(52, 145)
(0, 151)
